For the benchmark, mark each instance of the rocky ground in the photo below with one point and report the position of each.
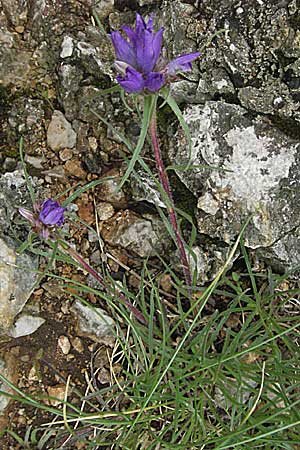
(241, 103)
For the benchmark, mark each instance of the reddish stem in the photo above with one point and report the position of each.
(171, 211)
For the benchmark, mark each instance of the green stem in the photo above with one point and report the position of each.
(171, 210)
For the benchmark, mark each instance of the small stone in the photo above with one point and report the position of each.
(9, 164)
(75, 169)
(103, 8)
(77, 344)
(9, 370)
(105, 210)
(86, 210)
(60, 133)
(65, 154)
(34, 161)
(166, 282)
(104, 376)
(67, 47)
(93, 143)
(109, 189)
(93, 322)
(138, 234)
(33, 375)
(20, 29)
(58, 394)
(64, 344)
(26, 325)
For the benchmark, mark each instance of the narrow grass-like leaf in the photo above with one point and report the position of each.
(149, 106)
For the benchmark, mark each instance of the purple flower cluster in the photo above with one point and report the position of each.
(49, 214)
(140, 61)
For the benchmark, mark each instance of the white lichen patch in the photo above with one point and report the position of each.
(203, 142)
(256, 166)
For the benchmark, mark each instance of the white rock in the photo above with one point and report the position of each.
(60, 133)
(25, 325)
(92, 322)
(15, 284)
(64, 344)
(67, 47)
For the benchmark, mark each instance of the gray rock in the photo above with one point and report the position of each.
(25, 325)
(240, 393)
(103, 8)
(93, 322)
(258, 177)
(145, 235)
(17, 277)
(95, 53)
(26, 117)
(17, 272)
(60, 133)
(69, 78)
(15, 65)
(207, 261)
(143, 188)
(247, 51)
(8, 369)
(270, 98)
(67, 47)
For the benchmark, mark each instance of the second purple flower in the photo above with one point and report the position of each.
(140, 61)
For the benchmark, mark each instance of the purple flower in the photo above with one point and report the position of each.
(50, 213)
(140, 60)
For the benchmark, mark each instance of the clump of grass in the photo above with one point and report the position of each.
(227, 379)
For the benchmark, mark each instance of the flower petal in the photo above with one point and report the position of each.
(148, 49)
(51, 213)
(132, 82)
(130, 33)
(123, 49)
(154, 81)
(140, 24)
(182, 63)
(27, 214)
(157, 41)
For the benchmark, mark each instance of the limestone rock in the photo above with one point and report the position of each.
(93, 322)
(25, 325)
(17, 278)
(257, 178)
(143, 235)
(60, 133)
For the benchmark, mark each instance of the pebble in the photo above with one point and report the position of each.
(105, 210)
(92, 322)
(75, 169)
(67, 47)
(65, 154)
(60, 133)
(93, 143)
(20, 29)
(77, 344)
(25, 325)
(35, 161)
(57, 391)
(64, 344)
